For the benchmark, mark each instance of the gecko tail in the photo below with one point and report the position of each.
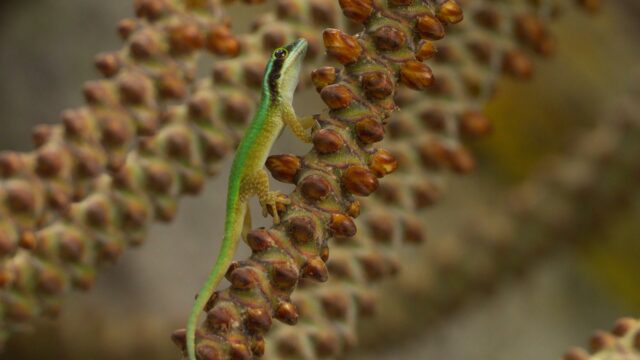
(241, 225)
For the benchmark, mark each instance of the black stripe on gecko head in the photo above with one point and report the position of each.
(283, 70)
(274, 73)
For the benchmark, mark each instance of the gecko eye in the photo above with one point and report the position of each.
(280, 53)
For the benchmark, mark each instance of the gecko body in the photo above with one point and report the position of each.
(248, 177)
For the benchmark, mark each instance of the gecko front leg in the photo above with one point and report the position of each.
(257, 184)
(298, 126)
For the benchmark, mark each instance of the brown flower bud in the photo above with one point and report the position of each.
(488, 18)
(283, 168)
(473, 124)
(134, 89)
(481, 50)
(353, 209)
(426, 50)
(342, 225)
(243, 278)
(412, 232)
(323, 13)
(461, 160)
(389, 38)
(126, 27)
(28, 240)
(601, 340)
(237, 108)
(110, 252)
(324, 253)
(20, 198)
(134, 216)
(213, 147)
(171, 86)
(315, 187)
(257, 347)
(288, 9)
(206, 351)
(179, 337)
(323, 76)
(316, 269)
(83, 279)
(450, 12)
(114, 130)
(97, 93)
(529, 28)
(416, 75)
(636, 340)
(425, 195)
(382, 163)
(433, 154)
(576, 354)
(301, 229)
(159, 179)
(623, 325)
(50, 281)
(359, 180)
(336, 96)
(253, 73)
(71, 248)
(284, 275)
(49, 162)
(107, 63)
(335, 305)
(259, 240)
(144, 45)
(191, 182)
(273, 38)
(357, 10)
(8, 243)
(374, 266)
(76, 123)
(178, 145)
(429, 27)
(377, 85)
(97, 214)
(185, 38)
(199, 106)
(149, 9)
(341, 268)
(381, 227)
(327, 141)
(221, 41)
(221, 317)
(287, 313)
(325, 344)
(369, 130)
(257, 320)
(289, 346)
(433, 118)
(517, 64)
(10, 164)
(345, 48)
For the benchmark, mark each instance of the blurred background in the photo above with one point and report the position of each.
(47, 47)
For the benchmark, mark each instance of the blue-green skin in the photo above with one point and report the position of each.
(280, 81)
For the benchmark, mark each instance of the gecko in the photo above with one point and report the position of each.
(248, 177)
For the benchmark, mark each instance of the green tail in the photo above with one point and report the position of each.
(234, 226)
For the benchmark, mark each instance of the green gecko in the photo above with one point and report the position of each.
(248, 177)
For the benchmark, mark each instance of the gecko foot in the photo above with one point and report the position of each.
(270, 203)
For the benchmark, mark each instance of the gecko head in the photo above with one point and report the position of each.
(283, 70)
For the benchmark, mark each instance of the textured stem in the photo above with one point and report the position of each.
(342, 164)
